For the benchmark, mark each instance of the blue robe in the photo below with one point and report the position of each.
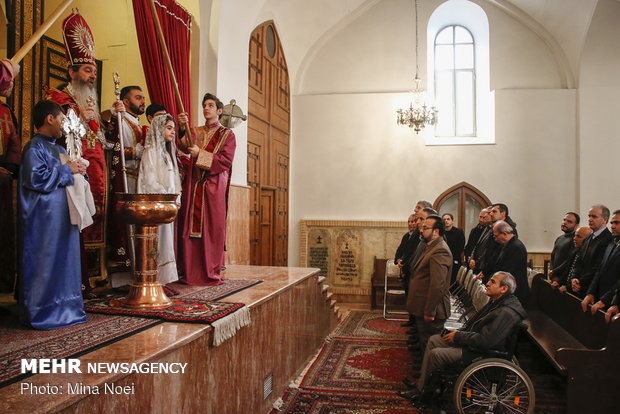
(50, 287)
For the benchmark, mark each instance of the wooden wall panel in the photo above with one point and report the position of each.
(268, 147)
(238, 226)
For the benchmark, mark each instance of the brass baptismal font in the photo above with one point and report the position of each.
(146, 212)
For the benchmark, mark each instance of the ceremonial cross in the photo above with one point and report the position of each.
(346, 246)
(318, 240)
(74, 132)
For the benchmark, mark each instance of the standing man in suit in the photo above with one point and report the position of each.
(607, 279)
(593, 250)
(512, 258)
(455, 238)
(405, 250)
(429, 299)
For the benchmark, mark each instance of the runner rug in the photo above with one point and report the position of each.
(225, 317)
(20, 342)
(361, 365)
(358, 370)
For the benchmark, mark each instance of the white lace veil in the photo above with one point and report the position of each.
(159, 172)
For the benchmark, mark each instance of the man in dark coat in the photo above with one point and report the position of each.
(512, 258)
(592, 251)
(407, 246)
(563, 248)
(607, 279)
(455, 238)
(488, 329)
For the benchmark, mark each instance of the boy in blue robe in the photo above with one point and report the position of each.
(50, 285)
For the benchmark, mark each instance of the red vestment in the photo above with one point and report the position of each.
(10, 157)
(204, 203)
(92, 151)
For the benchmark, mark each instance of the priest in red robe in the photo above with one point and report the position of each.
(10, 157)
(204, 203)
(81, 95)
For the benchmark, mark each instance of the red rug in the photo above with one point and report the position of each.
(182, 310)
(359, 365)
(308, 402)
(362, 324)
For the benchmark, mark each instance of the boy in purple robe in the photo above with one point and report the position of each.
(50, 281)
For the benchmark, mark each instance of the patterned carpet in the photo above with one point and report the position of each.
(20, 342)
(360, 368)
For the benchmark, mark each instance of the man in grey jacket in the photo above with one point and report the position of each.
(488, 329)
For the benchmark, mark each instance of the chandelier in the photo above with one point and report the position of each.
(418, 115)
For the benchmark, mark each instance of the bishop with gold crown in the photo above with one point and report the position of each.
(81, 95)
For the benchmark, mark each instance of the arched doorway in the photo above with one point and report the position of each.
(268, 147)
(464, 201)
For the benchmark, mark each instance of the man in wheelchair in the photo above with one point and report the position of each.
(485, 332)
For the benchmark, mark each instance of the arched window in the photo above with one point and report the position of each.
(464, 202)
(458, 72)
(455, 82)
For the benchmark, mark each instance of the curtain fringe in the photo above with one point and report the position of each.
(228, 326)
(188, 24)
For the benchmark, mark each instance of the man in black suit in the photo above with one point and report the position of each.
(606, 281)
(593, 250)
(407, 246)
(474, 235)
(512, 258)
(455, 238)
(563, 248)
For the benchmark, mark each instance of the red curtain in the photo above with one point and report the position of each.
(175, 23)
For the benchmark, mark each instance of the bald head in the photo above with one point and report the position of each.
(581, 234)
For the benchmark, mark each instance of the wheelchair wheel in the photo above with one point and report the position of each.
(494, 385)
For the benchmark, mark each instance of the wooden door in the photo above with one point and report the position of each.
(268, 147)
(464, 201)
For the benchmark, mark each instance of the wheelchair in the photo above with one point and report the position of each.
(487, 382)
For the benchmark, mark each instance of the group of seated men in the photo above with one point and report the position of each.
(585, 260)
(427, 255)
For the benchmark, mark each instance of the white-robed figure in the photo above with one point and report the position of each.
(159, 174)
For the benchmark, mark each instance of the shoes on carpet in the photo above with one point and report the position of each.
(408, 323)
(408, 383)
(412, 394)
(412, 331)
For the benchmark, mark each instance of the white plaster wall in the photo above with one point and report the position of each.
(599, 106)
(236, 20)
(353, 162)
(376, 53)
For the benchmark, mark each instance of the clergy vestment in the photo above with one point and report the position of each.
(50, 293)
(10, 156)
(204, 206)
(92, 237)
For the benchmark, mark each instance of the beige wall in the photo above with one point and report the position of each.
(599, 106)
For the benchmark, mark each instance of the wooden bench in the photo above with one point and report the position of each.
(581, 346)
(378, 283)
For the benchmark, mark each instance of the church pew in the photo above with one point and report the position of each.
(581, 346)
